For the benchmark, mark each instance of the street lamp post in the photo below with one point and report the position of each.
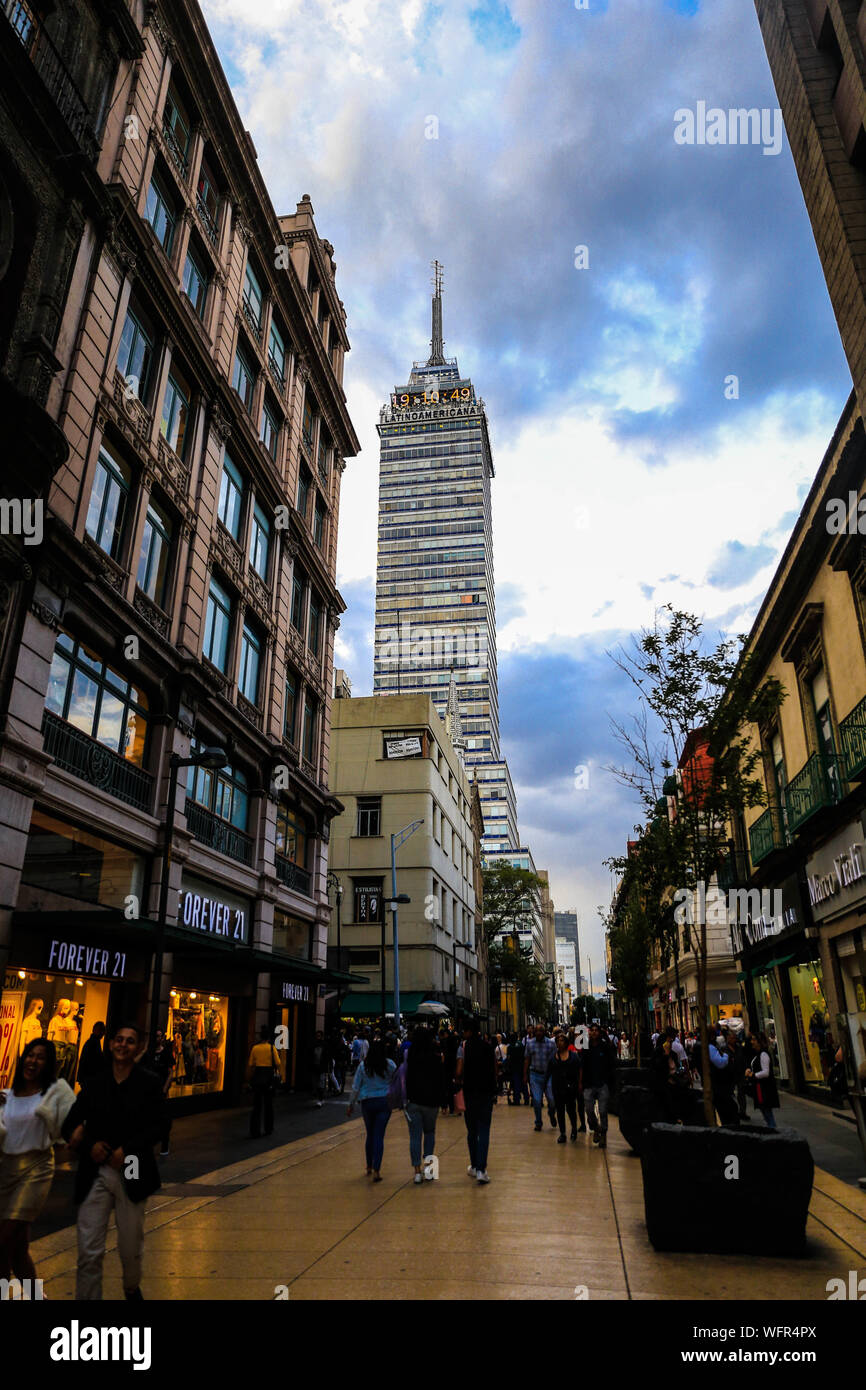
(396, 841)
(334, 882)
(213, 758)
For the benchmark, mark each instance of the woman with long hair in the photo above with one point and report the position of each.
(476, 1071)
(32, 1112)
(563, 1075)
(425, 1089)
(760, 1080)
(370, 1087)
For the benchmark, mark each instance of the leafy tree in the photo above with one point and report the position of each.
(512, 899)
(702, 702)
(586, 1007)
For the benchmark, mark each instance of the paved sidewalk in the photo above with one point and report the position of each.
(305, 1216)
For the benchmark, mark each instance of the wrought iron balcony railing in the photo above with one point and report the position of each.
(765, 836)
(84, 757)
(218, 834)
(252, 318)
(174, 149)
(852, 731)
(208, 220)
(54, 74)
(816, 785)
(292, 875)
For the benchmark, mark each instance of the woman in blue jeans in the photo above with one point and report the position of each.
(370, 1087)
(425, 1093)
(476, 1073)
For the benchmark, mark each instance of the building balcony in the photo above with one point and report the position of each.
(852, 731)
(101, 767)
(815, 786)
(252, 319)
(54, 74)
(178, 156)
(218, 834)
(292, 875)
(764, 836)
(278, 376)
(208, 220)
(733, 872)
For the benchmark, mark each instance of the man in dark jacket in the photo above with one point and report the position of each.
(476, 1072)
(598, 1065)
(115, 1122)
(92, 1059)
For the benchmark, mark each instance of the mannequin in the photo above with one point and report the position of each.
(64, 1034)
(32, 1025)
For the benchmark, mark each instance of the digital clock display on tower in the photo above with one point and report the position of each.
(446, 396)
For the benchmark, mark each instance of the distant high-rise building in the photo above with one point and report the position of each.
(435, 604)
(565, 927)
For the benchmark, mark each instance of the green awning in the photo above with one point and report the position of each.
(778, 960)
(368, 1003)
(743, 975)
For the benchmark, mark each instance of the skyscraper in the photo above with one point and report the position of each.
(435, 604)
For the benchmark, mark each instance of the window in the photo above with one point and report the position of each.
(269, 430)
(368, 900)
(314, 632)
(290, 711)
(292, 834)
(251, 656)
(176, 413)
(277, 354)
(136, 354)
(369, 816)
(231, 498)
(207, 200)
(324, 452)
(195, 282)
(155, 553)
(159, 212)
(820, 692)
(319, 525)
(304, 481)
(253, 298)
(217, 626)
(97, 700)
(224, 793)
(308, 742)
(260, 541)
(297, 615)
(359, 958)
(107, 510)
(176, 129)
(307, 426)
(244, 379)
(293, 935)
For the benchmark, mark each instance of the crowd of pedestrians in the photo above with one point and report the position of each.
(741, 1068)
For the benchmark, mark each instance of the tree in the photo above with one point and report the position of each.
(702, 702)
(512, 899)
(586, 1007)
(512, 964)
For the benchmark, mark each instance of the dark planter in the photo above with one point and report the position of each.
(627, 1074)
(761, 1212)
(640, 1107)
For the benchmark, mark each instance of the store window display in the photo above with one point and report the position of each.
(60, 1008)
(769, 1008)
(814, 1035)
(196, 1032)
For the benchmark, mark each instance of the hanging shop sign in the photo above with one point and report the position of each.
(781, 913)
(79, 958)
(214, 910)
(836, 875)
(293, 993)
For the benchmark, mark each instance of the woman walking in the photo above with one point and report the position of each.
(476, 1072)
(425, 1088)
(32, 1111)
(760, 1079)
(370, 1087)
(563, 1075)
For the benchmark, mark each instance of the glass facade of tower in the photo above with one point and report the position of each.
(435, 604)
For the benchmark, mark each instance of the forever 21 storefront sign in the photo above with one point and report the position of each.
(212, 909)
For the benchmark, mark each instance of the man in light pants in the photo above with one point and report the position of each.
(598, 1067)
(115, 1122)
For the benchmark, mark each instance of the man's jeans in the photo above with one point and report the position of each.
(422, 1119)
(376, 1112)
(536, 1086)
(108, 1193)
(478, 1116)
(596, 1098)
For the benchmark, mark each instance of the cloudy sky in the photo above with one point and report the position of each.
(631, 470)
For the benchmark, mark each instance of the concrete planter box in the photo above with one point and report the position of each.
(639, 1107)
(627, 1074)
(762, 1211)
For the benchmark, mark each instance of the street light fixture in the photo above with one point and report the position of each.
(334, 882)
(390, 903)
(213, 758)
(396, 841)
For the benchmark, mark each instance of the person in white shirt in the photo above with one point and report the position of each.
(32, 1112)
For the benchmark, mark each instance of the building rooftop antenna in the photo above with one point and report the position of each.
(437, 343)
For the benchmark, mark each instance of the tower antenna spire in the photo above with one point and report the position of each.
(437, 345)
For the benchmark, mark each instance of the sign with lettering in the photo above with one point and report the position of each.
(214, 911)
(781, 913)
(295, 994)
(77, 958)
(836, 875)
(403, 747)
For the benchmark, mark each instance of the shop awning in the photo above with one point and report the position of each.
(743, 975)
(777, 960)
(361, 1004)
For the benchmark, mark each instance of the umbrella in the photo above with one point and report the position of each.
(432, 1006)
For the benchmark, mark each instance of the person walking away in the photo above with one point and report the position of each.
(476, 1071)
(450, 1046)
(516, 1059)
(92, 1059)
(320, 1068)
(341, 1060)
(160, 1060)
(32, 1111)
(760, 1079)
(425, 1087)
(356, 1052)
(501, 1053)
(722, 1083)
(370, 1087)
(563, 1075)
(263, 1073)
(741, 1056)
(598, 1065)
(539, 1051)
(116, 1118)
